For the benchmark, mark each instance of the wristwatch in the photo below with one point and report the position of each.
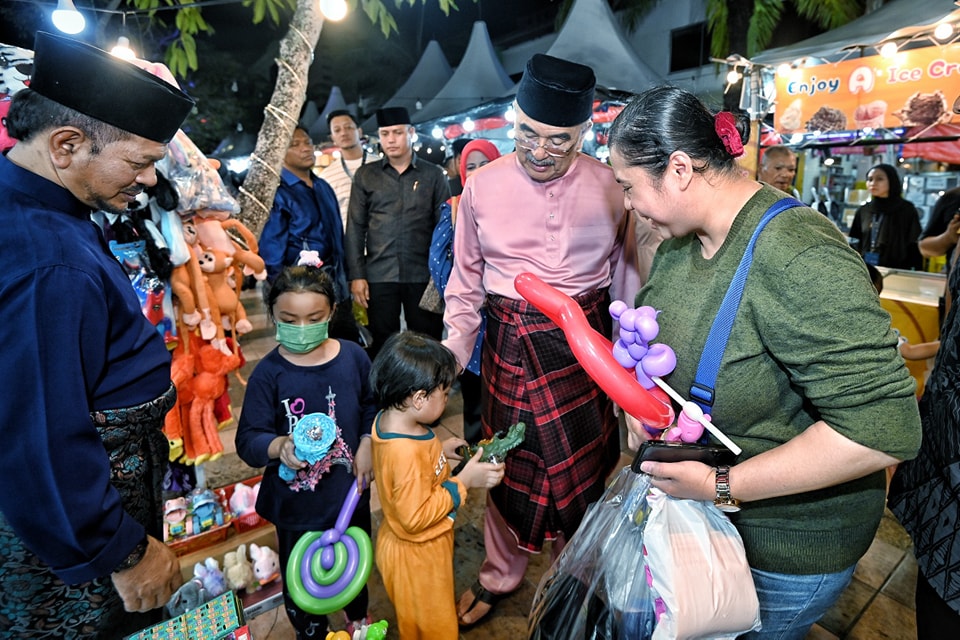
(724, 501)
(135, 556)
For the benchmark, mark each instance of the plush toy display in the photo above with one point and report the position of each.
(210, 575)
(226, 312)
(243, 501)
(187, 598)
(209, 383)
(238, 570)
(266, 564)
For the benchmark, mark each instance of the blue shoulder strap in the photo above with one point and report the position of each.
(702, 391)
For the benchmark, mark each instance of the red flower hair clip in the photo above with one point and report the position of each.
(726, 127)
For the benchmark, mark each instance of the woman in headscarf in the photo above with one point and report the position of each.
(887, 227)
(475, 154)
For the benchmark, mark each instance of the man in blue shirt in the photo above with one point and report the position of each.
(85, 376)
(306, 216)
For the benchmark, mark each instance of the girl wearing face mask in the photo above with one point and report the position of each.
(307, 373)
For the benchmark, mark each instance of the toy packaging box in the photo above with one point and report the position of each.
(218, 619)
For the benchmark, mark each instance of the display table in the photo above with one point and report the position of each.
(913, 300)
(254, 604)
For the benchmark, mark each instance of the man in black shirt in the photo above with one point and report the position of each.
(394, 207)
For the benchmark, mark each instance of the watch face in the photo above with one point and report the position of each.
(728, 507)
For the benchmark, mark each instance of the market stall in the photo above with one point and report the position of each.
(900, 107)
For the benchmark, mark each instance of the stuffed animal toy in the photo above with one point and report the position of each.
(181, 374)
(209, 383)
(243, 501)
(186, 281)
(225, 308)
(210, 575)
(238, 570)
(187, 598)
(266, 563)
(233, 238)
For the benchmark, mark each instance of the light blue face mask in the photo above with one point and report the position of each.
(302, 338)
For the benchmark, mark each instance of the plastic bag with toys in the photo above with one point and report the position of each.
(198, 183)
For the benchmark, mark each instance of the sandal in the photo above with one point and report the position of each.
(480, 595)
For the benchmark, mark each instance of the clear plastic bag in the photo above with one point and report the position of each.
(199, 186)
(699, 571)
(597, 589)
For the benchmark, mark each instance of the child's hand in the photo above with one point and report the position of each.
(363, 464)
(450, 447)
(481, 475)
(288, 455)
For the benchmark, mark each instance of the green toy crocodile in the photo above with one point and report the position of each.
(495, 449)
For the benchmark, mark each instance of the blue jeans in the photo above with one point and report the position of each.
(791, 604)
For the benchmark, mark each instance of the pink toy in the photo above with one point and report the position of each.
(688, 427)
(266, 564)
(176, 524)
(244, 499)
(211, 576)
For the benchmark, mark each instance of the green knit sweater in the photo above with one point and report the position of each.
(809, 342)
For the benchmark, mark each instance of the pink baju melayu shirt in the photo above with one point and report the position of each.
(572, 232)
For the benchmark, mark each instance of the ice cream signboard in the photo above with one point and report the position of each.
(914, 88)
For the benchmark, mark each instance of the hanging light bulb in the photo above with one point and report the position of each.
(733, 76)
(418, 105)
(784, 69)
(437, 132)
(67, 18)
(889, 49)
(333, 9)
(943, 31)
(510, 114)
(122, 49)
(469, 125)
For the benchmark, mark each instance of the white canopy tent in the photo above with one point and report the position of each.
(478, 78)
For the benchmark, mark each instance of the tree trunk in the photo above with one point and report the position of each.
(281, 115)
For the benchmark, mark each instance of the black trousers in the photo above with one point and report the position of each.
(470, 388)
(387, 300)
(343, 325)
(936, 620)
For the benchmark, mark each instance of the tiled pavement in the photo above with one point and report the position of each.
(878, 604)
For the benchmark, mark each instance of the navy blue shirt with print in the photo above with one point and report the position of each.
(278, 394)
(73, 340)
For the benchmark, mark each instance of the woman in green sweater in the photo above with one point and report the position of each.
(810, 385)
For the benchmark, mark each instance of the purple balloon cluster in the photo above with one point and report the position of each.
(633, 349)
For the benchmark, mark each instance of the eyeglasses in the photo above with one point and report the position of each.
(555, 146)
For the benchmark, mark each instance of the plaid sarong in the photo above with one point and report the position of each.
(572, 442)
